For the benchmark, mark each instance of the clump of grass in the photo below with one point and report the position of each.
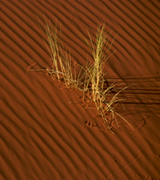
(105, 103)
(96, 71)
(61, 61)
(90, 78)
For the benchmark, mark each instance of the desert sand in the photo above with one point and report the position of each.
(47, 132)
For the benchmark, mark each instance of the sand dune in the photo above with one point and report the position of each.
(46, 131)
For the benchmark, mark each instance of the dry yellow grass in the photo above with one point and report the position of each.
(90, 78)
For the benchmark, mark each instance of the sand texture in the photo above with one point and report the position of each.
(47, 132)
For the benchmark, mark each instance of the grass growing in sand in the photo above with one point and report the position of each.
(90, 78)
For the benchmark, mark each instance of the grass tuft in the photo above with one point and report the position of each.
(90, 78)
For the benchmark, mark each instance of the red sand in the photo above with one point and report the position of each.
(46, 133)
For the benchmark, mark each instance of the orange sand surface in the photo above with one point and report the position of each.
(46, 131)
